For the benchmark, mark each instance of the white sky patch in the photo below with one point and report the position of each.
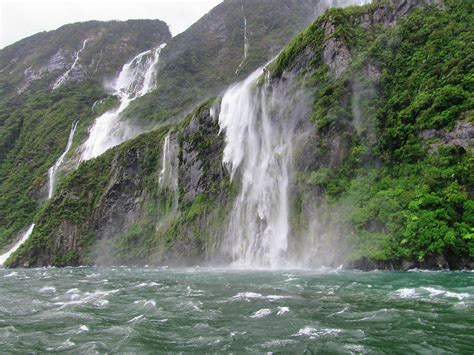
(23, 18)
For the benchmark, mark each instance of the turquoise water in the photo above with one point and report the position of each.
(148, 309)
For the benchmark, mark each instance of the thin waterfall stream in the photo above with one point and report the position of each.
(54, 169)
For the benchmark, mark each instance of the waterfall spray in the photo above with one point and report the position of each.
(135, 80)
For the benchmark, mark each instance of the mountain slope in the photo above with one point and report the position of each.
(58, 90)
(40, 60)
(36, 113)
(382, 165)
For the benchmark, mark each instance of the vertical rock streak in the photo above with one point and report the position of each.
(135, 80)
(246, 43)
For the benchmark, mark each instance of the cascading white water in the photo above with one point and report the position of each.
(136, 79)
(63, 78)
(23, 239)
(258, 149)
(54, 169)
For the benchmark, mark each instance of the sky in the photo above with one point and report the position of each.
(23, 18)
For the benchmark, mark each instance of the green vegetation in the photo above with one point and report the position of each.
(409, 200)
(382, 152)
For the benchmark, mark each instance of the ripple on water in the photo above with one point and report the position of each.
(136, 319)
(248, 296)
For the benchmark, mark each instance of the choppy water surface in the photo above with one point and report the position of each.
(144, 309)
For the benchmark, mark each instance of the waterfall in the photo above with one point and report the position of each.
(63, 78)
(262, 124)
(136, 78)
(54, 169)
(259, 125)
(23, 239)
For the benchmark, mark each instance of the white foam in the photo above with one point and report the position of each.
(313, 333)
(247, 296)
(459, 296)
(64, 346)
(262, 313)
(406, 293)
(149, 303)
(83, 328)
(11, 274)
(147, 284)
(282, 310)
(276, 297)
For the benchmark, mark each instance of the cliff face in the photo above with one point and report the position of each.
(120, 208)
(389, 116)
(382, 167)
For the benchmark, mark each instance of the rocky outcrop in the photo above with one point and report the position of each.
(387, 13)
(202, 145)
(336, 54)
(461, 136)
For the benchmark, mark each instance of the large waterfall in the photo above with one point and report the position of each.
(259, 130)
(263, 123)
(136, 79)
